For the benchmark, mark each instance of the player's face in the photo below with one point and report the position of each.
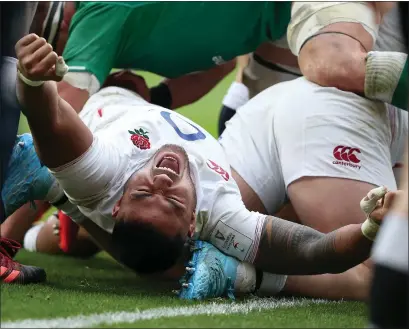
(161, 193)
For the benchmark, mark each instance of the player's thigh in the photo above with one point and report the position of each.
(332, 152)
(326, 203)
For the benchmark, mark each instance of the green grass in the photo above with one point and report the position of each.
(99, 285)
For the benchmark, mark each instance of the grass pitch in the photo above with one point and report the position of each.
(100, 293)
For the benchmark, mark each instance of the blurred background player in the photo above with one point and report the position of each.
(15, 21)
(273, 62)
(389, 298)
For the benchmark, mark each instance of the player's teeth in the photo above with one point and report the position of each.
(168, 169)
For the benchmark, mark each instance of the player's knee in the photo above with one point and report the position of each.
(331, 61)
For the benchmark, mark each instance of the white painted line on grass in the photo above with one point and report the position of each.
(92, 320)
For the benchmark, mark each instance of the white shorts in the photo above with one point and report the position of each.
(297, 128)
(308, 18)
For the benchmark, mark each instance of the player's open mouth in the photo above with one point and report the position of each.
(169, 162)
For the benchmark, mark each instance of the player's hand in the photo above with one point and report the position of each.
(37, 60)
(128, 80)
(378, 202)
(384, 205)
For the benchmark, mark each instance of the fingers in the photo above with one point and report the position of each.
(391, 198)
(388, 199)
(25, 41)
(30, 49)
(47, 61)
(37, 60)
(370, 201)
(41, 53)
(60, 67)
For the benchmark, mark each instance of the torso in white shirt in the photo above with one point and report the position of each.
(96, 181)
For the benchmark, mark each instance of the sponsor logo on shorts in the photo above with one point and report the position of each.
(346, 156)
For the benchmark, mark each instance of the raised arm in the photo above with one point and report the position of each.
(59, 133)
(334, 49)
(290, 248)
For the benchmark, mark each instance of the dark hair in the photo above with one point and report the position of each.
(144, 249)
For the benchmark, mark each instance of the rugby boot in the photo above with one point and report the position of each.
(209, 274)
(13, 272)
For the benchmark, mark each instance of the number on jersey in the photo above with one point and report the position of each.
(187, 137)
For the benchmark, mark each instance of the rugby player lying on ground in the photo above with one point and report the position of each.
(316, 38)
(149, 175)
(272, 176)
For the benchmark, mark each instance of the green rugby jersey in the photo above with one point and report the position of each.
(169, 38)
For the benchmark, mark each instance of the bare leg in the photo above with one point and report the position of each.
(16, 225)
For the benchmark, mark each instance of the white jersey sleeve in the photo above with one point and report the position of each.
(237, 231)
(98, 167)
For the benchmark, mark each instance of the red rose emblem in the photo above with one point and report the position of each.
(140, 139)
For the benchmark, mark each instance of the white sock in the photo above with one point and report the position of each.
(271, 284)
(30, 239)
(245, 278)
(237, 95)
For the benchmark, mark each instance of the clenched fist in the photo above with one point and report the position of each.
(37, 61)
(378, 202)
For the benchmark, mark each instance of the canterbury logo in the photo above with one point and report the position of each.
(346, 153)
(347, 156)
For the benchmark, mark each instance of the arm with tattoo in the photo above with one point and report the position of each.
(290, 248)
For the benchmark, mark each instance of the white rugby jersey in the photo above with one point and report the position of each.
(127, 133)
